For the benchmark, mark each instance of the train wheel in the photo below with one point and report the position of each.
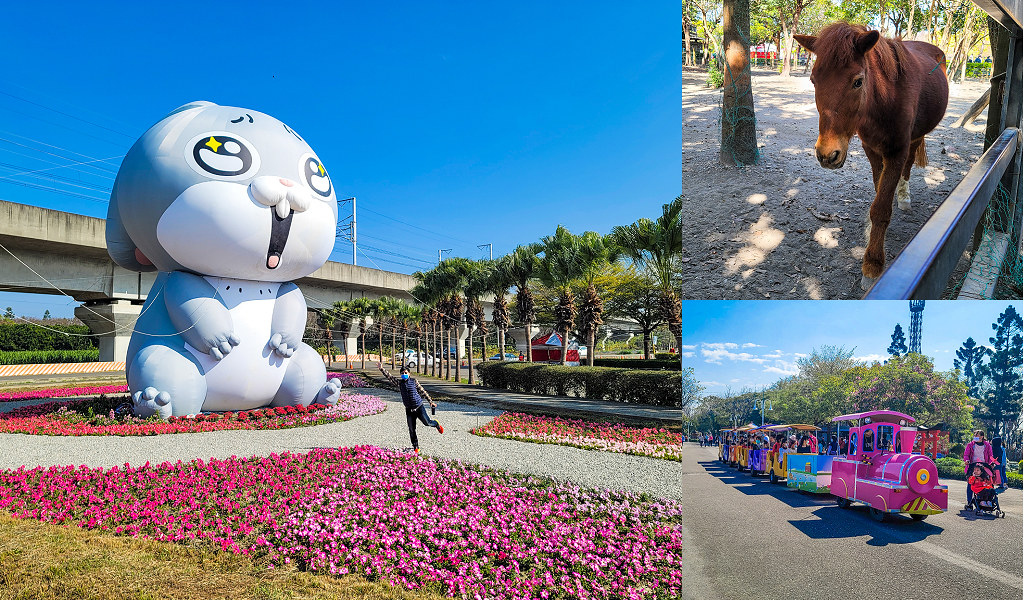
(918, 517)
(876, 514)
(772, 477)
(843, 502)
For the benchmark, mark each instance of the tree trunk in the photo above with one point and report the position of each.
(330, 348)
(529, 341)
(591, 336)
(910, 21)
(647, 344)
(688, 59)
(458, 352)
(470, 361)
(739, 128)
(380, 344)
(362, 340)
(784, 38)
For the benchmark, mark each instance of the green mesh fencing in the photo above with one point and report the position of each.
(1000, 234)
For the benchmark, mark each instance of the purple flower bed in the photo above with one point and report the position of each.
(461, 529)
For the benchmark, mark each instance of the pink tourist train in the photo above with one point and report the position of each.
(880, 470)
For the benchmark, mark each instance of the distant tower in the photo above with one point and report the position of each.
(916, 308)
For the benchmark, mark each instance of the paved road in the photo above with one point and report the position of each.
(744, 538)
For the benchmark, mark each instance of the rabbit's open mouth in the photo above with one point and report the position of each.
(278, 237)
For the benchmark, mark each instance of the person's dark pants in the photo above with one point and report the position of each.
(414, 414)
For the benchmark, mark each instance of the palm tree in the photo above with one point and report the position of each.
(409, 316)
(520, 268)
(327, 318)
(390, 310)
(360, 308)
(595, 253)
(378, 311)
(340, 314)
(558, 268)
(477, 279)
(427, 292)
(448, 280)
(656, 247)
(498, 284)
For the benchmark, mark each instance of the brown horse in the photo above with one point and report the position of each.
(888, 92)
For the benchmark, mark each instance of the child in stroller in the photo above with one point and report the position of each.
(985, 499)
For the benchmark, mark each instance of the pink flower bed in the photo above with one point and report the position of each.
(466, 530)
(656, 443)
(73, 418)
(63, 392)
(349, 380)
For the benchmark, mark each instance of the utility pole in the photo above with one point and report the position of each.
(439, 254)
(353, 231)
(490, 251)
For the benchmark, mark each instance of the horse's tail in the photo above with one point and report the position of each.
(921, 159)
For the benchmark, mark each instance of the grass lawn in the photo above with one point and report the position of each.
(39, 560)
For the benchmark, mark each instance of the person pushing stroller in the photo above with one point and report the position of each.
(412, 397)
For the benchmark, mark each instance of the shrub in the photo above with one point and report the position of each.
(716, 78)
(640, 363)
(953, 468)
(667, 356)
(39, 357)
(659, 388)
(28, 336)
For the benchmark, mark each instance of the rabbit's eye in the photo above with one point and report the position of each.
(221, 155)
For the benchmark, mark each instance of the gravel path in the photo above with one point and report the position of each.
(388, 430)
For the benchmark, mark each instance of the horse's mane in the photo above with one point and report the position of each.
(835, 48)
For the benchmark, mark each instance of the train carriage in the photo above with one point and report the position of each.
(778, 462)
(880, 470)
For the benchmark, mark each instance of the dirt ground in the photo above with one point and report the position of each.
(787, 228)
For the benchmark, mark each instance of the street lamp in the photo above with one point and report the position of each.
(765, 403)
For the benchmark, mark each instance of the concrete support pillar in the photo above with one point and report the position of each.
(346, 343)
(522, 338)
(112, 321)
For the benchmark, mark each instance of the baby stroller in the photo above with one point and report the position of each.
(986, 501)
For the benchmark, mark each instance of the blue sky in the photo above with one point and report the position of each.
(752, 343)
(471, 123)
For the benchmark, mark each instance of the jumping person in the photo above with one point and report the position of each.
(411, 397)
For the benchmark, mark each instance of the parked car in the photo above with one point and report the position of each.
(411, 359)
(507, 356)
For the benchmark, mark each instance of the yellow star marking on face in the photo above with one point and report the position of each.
(321, 170)
(213, 143)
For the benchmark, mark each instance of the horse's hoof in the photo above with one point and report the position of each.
(866, 282)
(903, 205)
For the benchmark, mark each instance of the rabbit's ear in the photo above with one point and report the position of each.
(190, 106)
(120, 246)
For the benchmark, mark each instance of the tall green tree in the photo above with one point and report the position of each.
(969, 360)
(632, 295)
(898, 347)
(478, 278)
(656, 247)
(1002, 402)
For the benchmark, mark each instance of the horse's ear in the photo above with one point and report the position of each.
(866, 42)
(807, 41)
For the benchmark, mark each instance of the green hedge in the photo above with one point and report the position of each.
(953, 468)
(41, 357)
(659, 388)
(27, 336)
(639, 363)
(666, 356)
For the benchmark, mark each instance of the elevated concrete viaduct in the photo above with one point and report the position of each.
(52, 252)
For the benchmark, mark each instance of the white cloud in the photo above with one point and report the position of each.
(870, 358)
(799, 355)
(782, 367)
(749, 345)
(712, 383)
(688, 354)
(689, 346)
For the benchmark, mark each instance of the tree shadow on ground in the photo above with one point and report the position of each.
(762, 487)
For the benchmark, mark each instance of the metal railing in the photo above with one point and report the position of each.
(923, 268)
